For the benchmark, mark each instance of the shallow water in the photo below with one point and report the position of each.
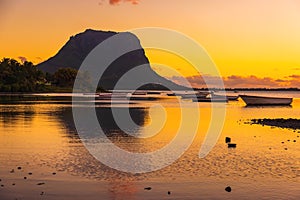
(39, 135)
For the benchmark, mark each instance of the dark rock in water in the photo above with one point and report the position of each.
(41, 183)
(288, 140)
(231, 145)
(228, 189)
(0, 179)
(227, 140)
(147, 188)
(25, 177)
(294, 141)
(282, 142)
(29, 173)
(280, 122)
(2, 185)
(13, 184)
(19, 168)
(285, 148)
(169, 192)
(53, 173)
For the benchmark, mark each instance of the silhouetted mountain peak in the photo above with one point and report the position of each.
(79, 46)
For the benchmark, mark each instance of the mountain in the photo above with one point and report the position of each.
(73, 53)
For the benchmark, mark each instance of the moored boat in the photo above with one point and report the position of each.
(264, 100)
(199, 94)
(208, 99)
(228, 97)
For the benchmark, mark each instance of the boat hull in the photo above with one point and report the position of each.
(260, 100)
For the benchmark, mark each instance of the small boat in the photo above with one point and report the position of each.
(110, 96)
(262, 100)
(198, 94)
(228, 97)
(209, 99)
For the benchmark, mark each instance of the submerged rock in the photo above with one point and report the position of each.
(147, 188)
(228, 189)
(231, 145)
(227, 140)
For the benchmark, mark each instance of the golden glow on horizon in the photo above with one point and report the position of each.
(243, 37)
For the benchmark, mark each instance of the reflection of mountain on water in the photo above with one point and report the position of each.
(107, 121)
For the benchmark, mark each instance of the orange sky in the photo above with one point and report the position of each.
(243, 37)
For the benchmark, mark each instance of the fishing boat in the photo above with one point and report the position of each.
(149, 96)
(228, 97)
(110, 96)
(192, 95)
(263, 100)
(209, 99)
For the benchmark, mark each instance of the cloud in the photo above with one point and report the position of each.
(22, 59)
(235, 81)
(116, 2)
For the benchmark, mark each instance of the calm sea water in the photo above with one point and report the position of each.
(39, 134)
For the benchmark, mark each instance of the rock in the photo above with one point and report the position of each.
(285, 148)
(25, 177)
(147, 188)
(294, 141)
(282, 142)
(2, 185)
(0, 179)
(41, 183)
(227, 140)
(19, 168)
(169, 192)
(13, 184)
(12, 171)
(29, 173)
(231, 145)
(228, 189)
(53, 173)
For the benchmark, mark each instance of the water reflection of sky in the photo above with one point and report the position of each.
(44, 135)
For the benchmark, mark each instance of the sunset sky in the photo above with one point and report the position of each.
(253, 42)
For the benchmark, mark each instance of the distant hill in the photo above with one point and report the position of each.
(79, 46)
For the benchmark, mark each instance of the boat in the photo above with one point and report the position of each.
(146, 96)
(228, 97)
(208, 99)
(110, 96)
(263, 100)
(199, 94)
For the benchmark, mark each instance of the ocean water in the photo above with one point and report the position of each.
(39, 134)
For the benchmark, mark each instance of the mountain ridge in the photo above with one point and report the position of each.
(73, 53)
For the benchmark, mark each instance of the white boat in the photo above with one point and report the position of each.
(110, 96)
(191, 95)
(263, 100)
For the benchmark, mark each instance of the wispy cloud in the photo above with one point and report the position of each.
(117, 2)
(240, 81)
(22, 59)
